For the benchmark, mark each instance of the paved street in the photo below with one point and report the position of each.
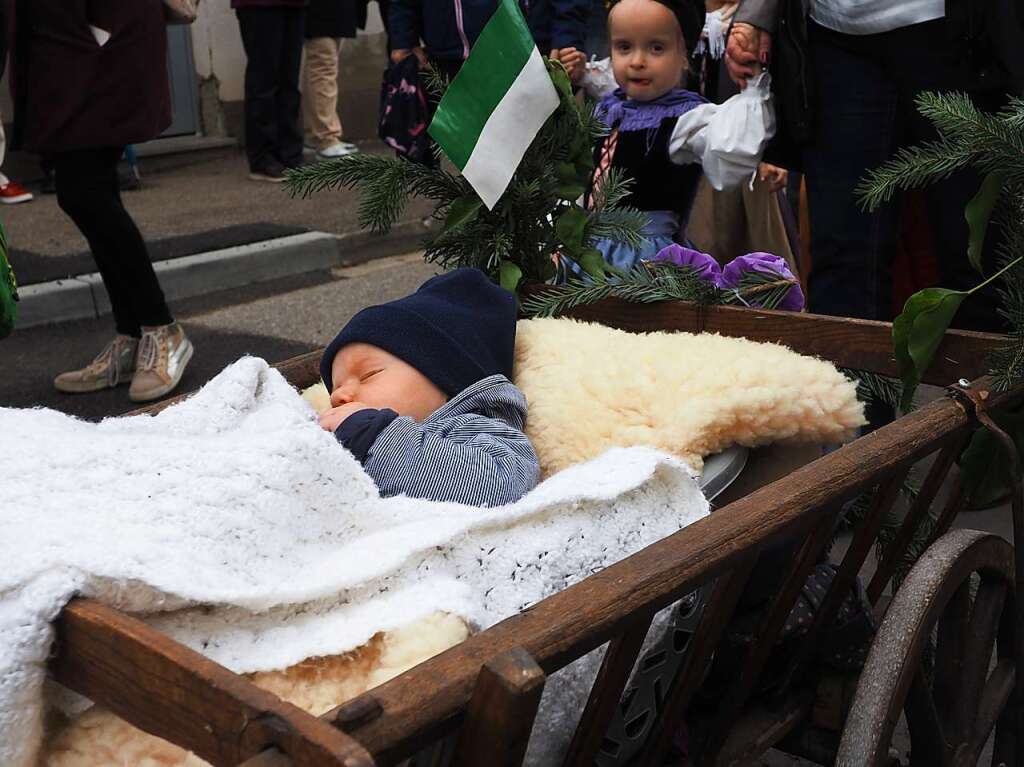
(273, 320)
(189, 203)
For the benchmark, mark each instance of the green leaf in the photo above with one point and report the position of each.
(561, 80)
(569, 228)
(566, 172)
(985, 468)
(592, 262)
(462, 211)
(918, 331)
(978, 212)
(509, 275)
(570, 192)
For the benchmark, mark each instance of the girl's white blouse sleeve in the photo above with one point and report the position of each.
(727, 139)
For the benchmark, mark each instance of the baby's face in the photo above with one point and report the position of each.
(368, 374)
(648, 53)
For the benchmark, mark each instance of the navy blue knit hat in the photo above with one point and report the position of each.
(456, 329)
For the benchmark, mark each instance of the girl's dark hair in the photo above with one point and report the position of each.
(689, 14)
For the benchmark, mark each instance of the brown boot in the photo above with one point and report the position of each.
(112, 366)
(164, 351)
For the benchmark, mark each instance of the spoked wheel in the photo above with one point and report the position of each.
(951, 704)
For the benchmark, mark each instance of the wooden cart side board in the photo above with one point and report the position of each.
(850, 343)
(120, 662)
(857, 344)
(167, 689)
(425, 702)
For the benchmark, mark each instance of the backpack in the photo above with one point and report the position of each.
(8, 290)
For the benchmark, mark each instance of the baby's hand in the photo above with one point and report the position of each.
(331, 419)
(574, 61)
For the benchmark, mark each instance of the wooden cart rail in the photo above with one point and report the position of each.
(856, 344)
(426, 702)
(616, 605)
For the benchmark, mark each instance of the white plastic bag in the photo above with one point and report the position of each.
(598, 80)
(727, 139)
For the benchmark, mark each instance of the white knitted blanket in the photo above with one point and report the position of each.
(237, 499)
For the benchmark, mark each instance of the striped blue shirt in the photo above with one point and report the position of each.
(470, 450)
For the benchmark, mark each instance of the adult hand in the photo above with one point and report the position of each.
(401, 54)
(747, 52)
(773, 175)
(331, 419)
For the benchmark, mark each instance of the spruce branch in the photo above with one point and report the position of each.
(654, 282)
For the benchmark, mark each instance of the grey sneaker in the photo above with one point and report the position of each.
(112, 366)
(164, 352)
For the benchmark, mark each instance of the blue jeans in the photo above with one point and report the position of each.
(865, 91)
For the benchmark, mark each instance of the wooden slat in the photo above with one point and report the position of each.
(768, 631)
(933, 482)
(762, 728)
(421, 704)
(606, 693)
(168, 690)
(863, 541)
(304, 371)
(713, 622)
(499, 718)
(859, 344)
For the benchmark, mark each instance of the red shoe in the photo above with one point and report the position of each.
(12, 192)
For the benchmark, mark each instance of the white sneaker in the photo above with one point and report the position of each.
(163, 353)
(341, 149)
(112, 366)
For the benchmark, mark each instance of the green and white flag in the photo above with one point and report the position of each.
(495, 105)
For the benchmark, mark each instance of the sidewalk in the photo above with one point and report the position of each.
(203, 203)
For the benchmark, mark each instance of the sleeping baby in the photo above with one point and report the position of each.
(421, 396)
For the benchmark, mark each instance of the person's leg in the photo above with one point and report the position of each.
(322, 91)
(851, 250)
(261, 32)
(87, 193)
(288, 96)
(921, 66)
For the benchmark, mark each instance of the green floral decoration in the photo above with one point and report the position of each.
(537, 218)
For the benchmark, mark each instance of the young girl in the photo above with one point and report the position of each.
(662, 136)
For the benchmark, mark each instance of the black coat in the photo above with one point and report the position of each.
(71, 93)
(335, 18)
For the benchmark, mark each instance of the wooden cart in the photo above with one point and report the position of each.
(482, 695)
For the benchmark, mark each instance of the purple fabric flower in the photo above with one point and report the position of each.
(766, 263)
(703, 265)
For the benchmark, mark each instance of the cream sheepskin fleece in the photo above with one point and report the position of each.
(99, 738)
(591, 387)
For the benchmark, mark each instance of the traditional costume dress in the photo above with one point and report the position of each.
(665, 145)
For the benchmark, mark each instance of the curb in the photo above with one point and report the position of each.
(84, 297)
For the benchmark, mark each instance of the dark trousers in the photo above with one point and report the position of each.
(87, 191)
(865, 88)
(272, 38)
